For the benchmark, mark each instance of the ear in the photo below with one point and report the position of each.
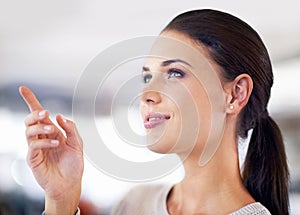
(238, 93)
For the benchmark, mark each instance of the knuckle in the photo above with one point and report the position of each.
(27, 132)
(26, 121)
(30, 144)
(30, 131)
(28, 160)
(71, 123)
(30, 119)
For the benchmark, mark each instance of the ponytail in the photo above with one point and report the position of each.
(265, 173)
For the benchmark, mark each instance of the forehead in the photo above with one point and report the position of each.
(179, 48)
(172, 45)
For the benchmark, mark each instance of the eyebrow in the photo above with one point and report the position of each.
(167, 63)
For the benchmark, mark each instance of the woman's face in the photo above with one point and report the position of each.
(175, 104)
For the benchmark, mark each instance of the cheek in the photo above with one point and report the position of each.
(142, 108)
(204, 111)
(196, 120)
(203, 106)
(182, 131)
(190, 123)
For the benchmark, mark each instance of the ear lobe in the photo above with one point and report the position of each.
(241, 90)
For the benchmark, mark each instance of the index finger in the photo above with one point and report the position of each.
(30, 99)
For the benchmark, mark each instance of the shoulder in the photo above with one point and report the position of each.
(252, 209)
(144, 199)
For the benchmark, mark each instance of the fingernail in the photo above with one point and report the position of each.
(42, 113)
(54, 142)
(63, 119)
(48, 127)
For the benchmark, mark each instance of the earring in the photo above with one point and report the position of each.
(231, 107)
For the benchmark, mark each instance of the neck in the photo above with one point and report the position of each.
(215, 188)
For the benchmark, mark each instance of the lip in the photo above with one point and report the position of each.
(154, 119)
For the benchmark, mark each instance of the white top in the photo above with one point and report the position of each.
(151, 199)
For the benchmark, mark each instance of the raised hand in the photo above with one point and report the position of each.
(55, 158)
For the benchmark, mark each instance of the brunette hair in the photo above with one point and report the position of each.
(237, 48)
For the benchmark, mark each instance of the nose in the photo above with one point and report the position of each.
(151, 96)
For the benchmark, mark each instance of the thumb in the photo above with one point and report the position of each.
(73, 137)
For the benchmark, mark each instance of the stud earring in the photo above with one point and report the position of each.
(231, 107)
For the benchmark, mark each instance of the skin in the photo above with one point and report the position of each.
(58, 167)
(56, 160)
(219, 182)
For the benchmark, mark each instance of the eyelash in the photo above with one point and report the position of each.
(172, 73)
(178, 73)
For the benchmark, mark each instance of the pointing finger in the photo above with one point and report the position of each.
(30, 99)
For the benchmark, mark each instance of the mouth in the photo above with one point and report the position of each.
(154, 119)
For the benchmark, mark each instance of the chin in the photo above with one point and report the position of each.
(160, 146)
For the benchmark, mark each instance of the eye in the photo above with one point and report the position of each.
(175, 73)
(147, 78)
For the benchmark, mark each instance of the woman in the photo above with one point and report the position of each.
(240, 59)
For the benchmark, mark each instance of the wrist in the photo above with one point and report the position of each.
(66, 204)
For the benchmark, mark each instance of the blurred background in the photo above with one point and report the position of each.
(47, 44)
